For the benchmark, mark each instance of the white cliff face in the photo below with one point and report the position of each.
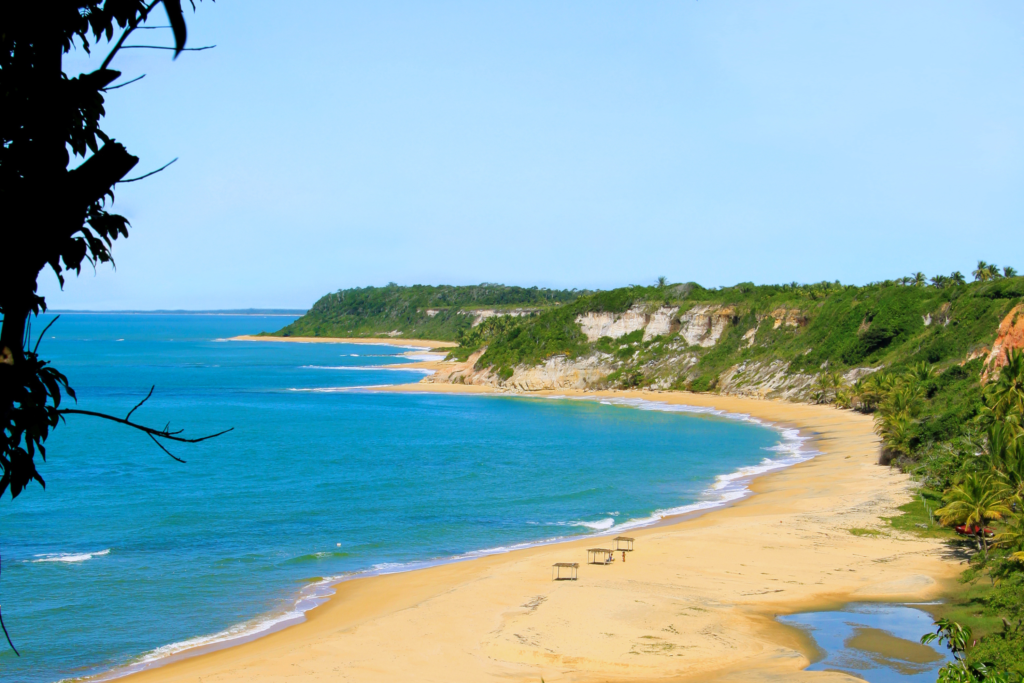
(597, 325)
(660, 323)
(615, 325)
(704, 325)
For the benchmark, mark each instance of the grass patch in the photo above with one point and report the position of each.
(916, 516)
(857, 531)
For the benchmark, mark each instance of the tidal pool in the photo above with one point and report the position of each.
(879, 643)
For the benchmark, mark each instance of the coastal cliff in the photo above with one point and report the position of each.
(767, 342)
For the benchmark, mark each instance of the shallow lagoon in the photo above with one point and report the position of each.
(878, 642)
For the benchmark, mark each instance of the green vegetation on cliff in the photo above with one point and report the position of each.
(808, 327)
(421, 311)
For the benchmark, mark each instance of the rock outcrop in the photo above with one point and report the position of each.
(596, 325)
(1009, 336)
(703, 325)
(559, 372)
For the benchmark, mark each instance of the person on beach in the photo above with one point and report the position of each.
(623, 555)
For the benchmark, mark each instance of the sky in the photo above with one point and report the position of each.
(332, 144)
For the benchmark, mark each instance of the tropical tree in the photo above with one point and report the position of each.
(897, 433)
(1012, 537)
(957, 640)
(921, 371)
(58, 170)
(976, 501)
(1004, 398)
(1009, 271)
(919, 279)
(957, 278)
(940, 281)
(986, 271)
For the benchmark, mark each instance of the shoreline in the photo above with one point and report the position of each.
(506, 656)
(385, 341)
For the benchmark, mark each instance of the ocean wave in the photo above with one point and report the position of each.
(599, 525)
(69, 557)
(425, 356)
(315, 557)
(311, 596)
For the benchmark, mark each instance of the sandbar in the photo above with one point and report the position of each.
(695, 601)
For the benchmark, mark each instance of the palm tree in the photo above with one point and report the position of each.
(1004, 399)
(940, 281)
(957, 278)
(905, 280)
(979, 499)
(983, 272)
(903, 401)
(662, 282)
(896, 432)
(919, 279)
(1012, 537)
(1009, 271)
(920, 372)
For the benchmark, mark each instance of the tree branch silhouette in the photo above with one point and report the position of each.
(153, 433)
(132, 180)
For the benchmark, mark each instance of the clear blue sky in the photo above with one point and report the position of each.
(330, 144)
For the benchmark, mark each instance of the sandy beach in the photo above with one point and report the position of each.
(695, 601)
(390, 341)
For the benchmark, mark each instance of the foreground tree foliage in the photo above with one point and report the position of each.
(58, 170)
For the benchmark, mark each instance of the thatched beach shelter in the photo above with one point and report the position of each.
(570, 568)
(600, 556)
(623, 543)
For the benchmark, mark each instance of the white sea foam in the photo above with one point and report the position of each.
(425, 356)
(338, 390)
(599, 525)
(367, 367)
(726, 488)
(69, 557)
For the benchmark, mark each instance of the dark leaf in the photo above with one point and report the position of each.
(177, 21)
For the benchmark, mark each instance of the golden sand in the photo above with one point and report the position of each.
(694, 602)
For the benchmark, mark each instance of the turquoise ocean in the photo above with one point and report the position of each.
(128, 556)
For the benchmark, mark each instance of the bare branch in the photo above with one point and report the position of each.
(139, 404)
(38, 341)
(8, 635)
(127, 32)
(115, 87)
(153, 434)
(161, 47)
(165, 450)
(132, 180)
